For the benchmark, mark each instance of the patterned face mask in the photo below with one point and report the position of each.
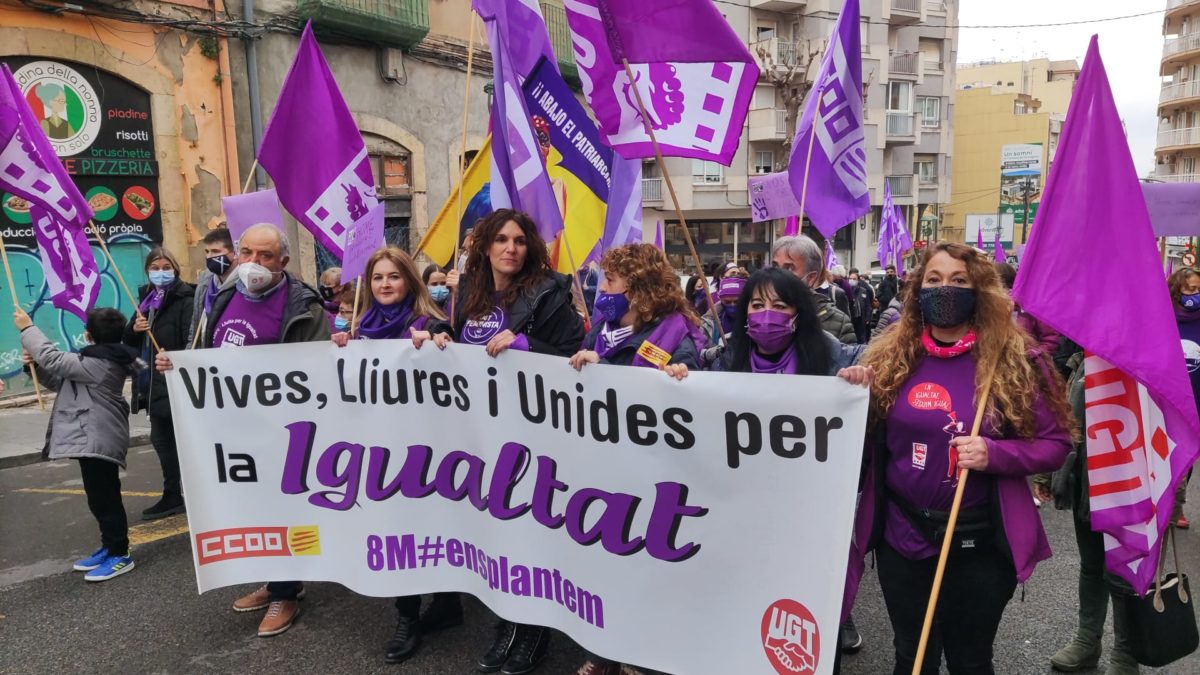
(947, 306)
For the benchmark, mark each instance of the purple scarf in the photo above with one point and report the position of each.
(210, 293)
(786, 364)
(667, 335)
(603, 349)
(385, 322)
(153, 301)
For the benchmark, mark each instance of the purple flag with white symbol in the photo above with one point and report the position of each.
(831, 259)
(1141, 431)
(519, 178)
(363, 238)
(314, 153)
(623, 219)
(893, 233)
(695, 75)
(837, 174)
(1001, 256)
(30, 169)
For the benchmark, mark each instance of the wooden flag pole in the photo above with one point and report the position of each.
(354, 309)
(662, 165)
(121, 278)
(812, 137)
(462, 156)
(253, 168)
(12, 288)
(945, 553)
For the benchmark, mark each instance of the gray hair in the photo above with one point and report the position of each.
(800, 247)
(285, 249)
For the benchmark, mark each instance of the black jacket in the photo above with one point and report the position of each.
(170, 324)
(546, 317)
(685, 353)
(888, 288)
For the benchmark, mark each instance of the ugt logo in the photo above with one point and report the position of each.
(790, 638)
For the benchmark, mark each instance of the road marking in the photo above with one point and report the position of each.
(66, 491)
(158, 529)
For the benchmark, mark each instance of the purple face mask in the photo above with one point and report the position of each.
(770, 330)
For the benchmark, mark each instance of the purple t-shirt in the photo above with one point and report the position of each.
(935, 404)
(480, 331)
(247, 322)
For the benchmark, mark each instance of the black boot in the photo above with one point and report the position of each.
(445, 611)
(527, 651)
(404, 642)
(849, 640)
(493, 660)
(170, 504)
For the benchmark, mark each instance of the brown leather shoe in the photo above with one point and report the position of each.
(280, 616)
(258, 599)
(603, 668)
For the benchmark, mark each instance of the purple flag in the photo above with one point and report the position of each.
(893, 233)
(1173, 208)
(1170, 268)
(1001, 256)
(771, 197)
(363, 238)
(791, 226)
(623, 219)
(831, 259)
(696, 89)
(837, 173)
(658, 236)
(979, 237)
(519, 178)
(1142, 431)
(314, 153)
(30, 169)
(252, 208)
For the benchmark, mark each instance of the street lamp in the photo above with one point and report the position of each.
(1028, 187)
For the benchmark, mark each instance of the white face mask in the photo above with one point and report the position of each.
(255, 277)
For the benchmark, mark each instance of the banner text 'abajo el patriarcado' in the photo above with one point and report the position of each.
(649, 519)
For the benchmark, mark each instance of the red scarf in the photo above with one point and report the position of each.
(964, 345)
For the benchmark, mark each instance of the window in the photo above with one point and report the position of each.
(1019, 108)
(925, 166)
(764, 161)
(391, 174)
(931, 111)
(766, 32)
(764, 97)
(900, 97)
(1188, 165)
(706, 173)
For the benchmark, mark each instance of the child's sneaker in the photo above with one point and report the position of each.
(113, 565)
(92, 561)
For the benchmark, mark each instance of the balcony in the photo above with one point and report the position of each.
(1179, 91)
(902, 186)
(905, 12)
(1173, 5)
(781, 53)
(778, 5)
(560, 38)
(389, 23)
(904, 66)
(768, 124)
(1172, 138)
(1176, 49)
(901, 128)
(652, 190)
(1178, 177)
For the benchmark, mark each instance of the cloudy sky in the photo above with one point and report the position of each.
(1131, 48)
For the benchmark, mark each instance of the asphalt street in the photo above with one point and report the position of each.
(153, 621)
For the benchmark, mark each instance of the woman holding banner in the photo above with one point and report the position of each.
(510, 298)
(954, 334)
(166, 310)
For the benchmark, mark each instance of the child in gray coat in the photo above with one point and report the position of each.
(90, 423)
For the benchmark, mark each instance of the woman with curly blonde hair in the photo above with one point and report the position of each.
(642, 316)
(954, 333)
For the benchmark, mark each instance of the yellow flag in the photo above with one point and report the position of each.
(441, 240)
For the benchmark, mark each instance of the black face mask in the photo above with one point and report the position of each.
(947, 306)
(218, 264)
(326, 293)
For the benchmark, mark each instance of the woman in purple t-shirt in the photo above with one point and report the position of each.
(955, 328)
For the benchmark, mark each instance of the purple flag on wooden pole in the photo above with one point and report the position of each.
(30, 169)
(519, 178)
(893, 233)
(791, 226)
(837, 173)
(623, 219)
(314, 153)
(1001, 256)
(251, 208)
(1142, 431)
(695, 74)
(363, 238)
(831, 259)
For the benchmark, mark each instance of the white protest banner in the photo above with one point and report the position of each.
(693, 527)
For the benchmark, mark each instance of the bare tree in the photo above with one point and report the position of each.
(792, 81)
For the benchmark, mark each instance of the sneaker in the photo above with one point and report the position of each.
(493, 660)
(280, 616)
(169, 505)
(445, 611)
(92, 561)
(404, 642)
(605, 668)
(849, 640)
(528, 650)
(113, 566)
(258, 599)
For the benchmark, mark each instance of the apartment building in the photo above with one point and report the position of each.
(909, 49)
(1177, 152)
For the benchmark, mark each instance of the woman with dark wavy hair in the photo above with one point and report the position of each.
(954, 333)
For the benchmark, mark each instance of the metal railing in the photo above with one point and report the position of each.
(1178, 177)
(652, 189)
(904, 64)
(560, 32)
(1170, 137)
(902, 186)
(781, 121)
(900, 124)
(782, 52)
(907, 5)
(1183, 43)
(1178, 90)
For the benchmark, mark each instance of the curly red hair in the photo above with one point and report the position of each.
(651, 284)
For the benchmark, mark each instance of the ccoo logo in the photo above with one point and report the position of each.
(790, 638)
(257, 542)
